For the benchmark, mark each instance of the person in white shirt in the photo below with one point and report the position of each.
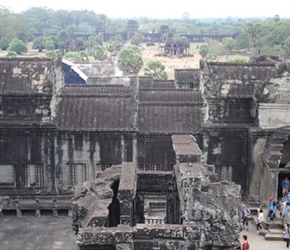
(259, 220)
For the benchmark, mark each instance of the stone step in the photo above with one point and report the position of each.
(275, 231)
(274, 237)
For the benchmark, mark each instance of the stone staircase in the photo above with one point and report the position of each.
(272, 230)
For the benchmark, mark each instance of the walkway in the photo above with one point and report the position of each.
(47, 232)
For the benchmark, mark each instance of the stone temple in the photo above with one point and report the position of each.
(139, 163)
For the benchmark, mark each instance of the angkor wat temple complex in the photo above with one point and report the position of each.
(139, 163)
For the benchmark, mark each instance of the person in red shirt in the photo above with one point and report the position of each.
(245, 244)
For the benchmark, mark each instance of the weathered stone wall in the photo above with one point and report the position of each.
(212, 206)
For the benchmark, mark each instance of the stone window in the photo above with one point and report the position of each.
(34, 175)
(154, 209)
(7, 175)
(77, 173)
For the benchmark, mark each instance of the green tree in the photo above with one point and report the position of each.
(254, 31)
(111, 46)
(156, 70)
(203, 50)
(130, 60)
(76, 56)
(4, 43)
(91, 42)
(18, 46)
(99, 52)
(137, 39)
(286, 45)
(39, 44)
(50, 53)
(211, 56)
(119, 38)
(228, 42)
(63, 39)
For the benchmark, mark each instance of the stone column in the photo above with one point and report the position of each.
(135, 145)
(123, 151)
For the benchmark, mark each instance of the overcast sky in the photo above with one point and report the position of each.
(163, 8)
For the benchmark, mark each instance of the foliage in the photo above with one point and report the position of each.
(111, 46)
(228, 42)
(50, 53)
(211, 56)
(203, 50)
(156, 70)
(254, 31)
(237, 60)
(119, 38)
(137, 39)
(214, 46)
(130, 60)
(11, 54)
(99, 52)
(39, 44)
(242, 41)
(78, 57)
(4, 43)
(92, 41)
(286, 45)
(18, 46)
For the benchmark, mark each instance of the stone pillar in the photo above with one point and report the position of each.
(126, 193)
(135, 145)
(123, 151)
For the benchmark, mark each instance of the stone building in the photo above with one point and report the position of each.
(55, 135)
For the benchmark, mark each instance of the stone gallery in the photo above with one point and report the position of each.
(139, 163)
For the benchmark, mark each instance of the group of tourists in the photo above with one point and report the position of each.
(283, 206)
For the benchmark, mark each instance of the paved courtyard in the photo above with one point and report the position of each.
(49, 233)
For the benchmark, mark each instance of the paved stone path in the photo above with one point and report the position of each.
(49, 233)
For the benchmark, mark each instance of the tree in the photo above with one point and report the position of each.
(203, 50)
(253, 31)
(211, 57)
(78, 57)
(91, 42)
(4, 43)
(111, 46)
(286, 45)
(156, 70)
(119, 38)
(39, 44)
(18, 46)
(228, 42)
(130, 60)
(99, 52)
(137, 39)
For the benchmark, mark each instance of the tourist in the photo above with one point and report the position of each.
(288, 196)
(286, 234)
(245, 214)
(245, 244)
(285, 186)
(285, 212)
(259, 220)
(272, 209)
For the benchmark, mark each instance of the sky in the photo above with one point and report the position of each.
(163, 8)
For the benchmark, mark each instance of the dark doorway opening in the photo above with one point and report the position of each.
(11, 212)
(281, 177)
(114, 207)
(28, 212)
